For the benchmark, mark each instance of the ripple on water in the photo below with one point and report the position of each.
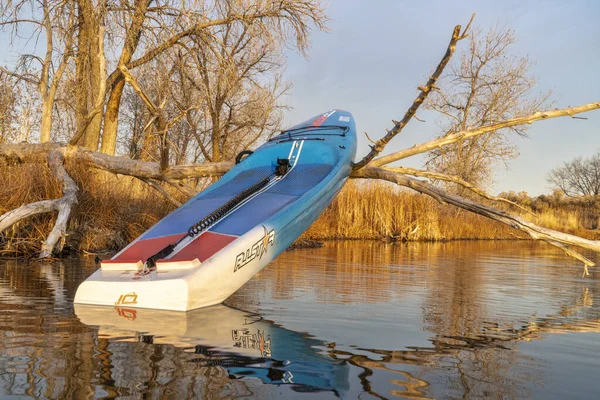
(428, 320)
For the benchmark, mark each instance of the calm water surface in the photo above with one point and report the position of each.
(350, 320)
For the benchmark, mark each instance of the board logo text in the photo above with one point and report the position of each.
(257, 250)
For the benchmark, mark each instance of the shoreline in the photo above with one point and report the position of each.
(299, 244)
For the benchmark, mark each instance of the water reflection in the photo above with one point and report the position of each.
(440, 320)
(467, 319)
(242, 343)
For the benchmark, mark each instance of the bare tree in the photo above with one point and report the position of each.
(55, 21)
(235, 73)
(578, 177)
(9, 98)
(486, 86)
(176, 24)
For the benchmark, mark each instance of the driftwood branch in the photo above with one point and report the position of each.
(458, 181)
(424, 92)
(534, 231)
(468, 133)
(11, 217)
(57, 153)
(62, 205)
(29, 152)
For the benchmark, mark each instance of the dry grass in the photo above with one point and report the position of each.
(113, 210)
(374, 210)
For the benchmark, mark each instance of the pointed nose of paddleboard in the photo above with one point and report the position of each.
(330, 118)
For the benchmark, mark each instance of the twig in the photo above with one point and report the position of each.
(161, 190)
(370, 140)
(424, 92)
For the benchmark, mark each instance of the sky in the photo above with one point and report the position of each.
(378, 52)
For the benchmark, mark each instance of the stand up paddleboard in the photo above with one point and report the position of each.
(209, 247)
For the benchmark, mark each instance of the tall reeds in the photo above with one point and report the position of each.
(114, 210)
(375, 210)
(111, 210)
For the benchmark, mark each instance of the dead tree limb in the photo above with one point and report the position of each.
(424, 92)
(11, 217)
(161, 190)
(458, 181)
(468, 133)
(182, 187)
(31, 152)
(534, 231)
(62, 205)
(57, 153)
(586, 261)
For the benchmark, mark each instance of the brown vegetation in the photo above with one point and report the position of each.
(376, 210)
(112, 210)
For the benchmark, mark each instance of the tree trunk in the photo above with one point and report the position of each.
(81, 109)
(161, 126)
(111, 118)
(46, 127)
(92, 133)
(216, 137)
(88, 74)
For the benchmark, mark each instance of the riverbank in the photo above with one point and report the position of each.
(375, 210)
(114, 210)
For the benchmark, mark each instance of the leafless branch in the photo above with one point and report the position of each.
(458, 181)
(455, 137)
(424, 92)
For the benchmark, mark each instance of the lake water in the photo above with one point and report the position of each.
(350, 320)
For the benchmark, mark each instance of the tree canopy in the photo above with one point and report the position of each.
(578, 177)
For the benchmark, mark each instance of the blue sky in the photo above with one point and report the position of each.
(378, 52)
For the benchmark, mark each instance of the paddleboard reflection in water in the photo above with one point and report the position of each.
(243, 343)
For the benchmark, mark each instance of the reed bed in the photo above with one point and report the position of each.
(376, 210)
(113, 210)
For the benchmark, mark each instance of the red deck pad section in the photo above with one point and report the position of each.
(142, 249)
(322, 118)
(203, 247)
